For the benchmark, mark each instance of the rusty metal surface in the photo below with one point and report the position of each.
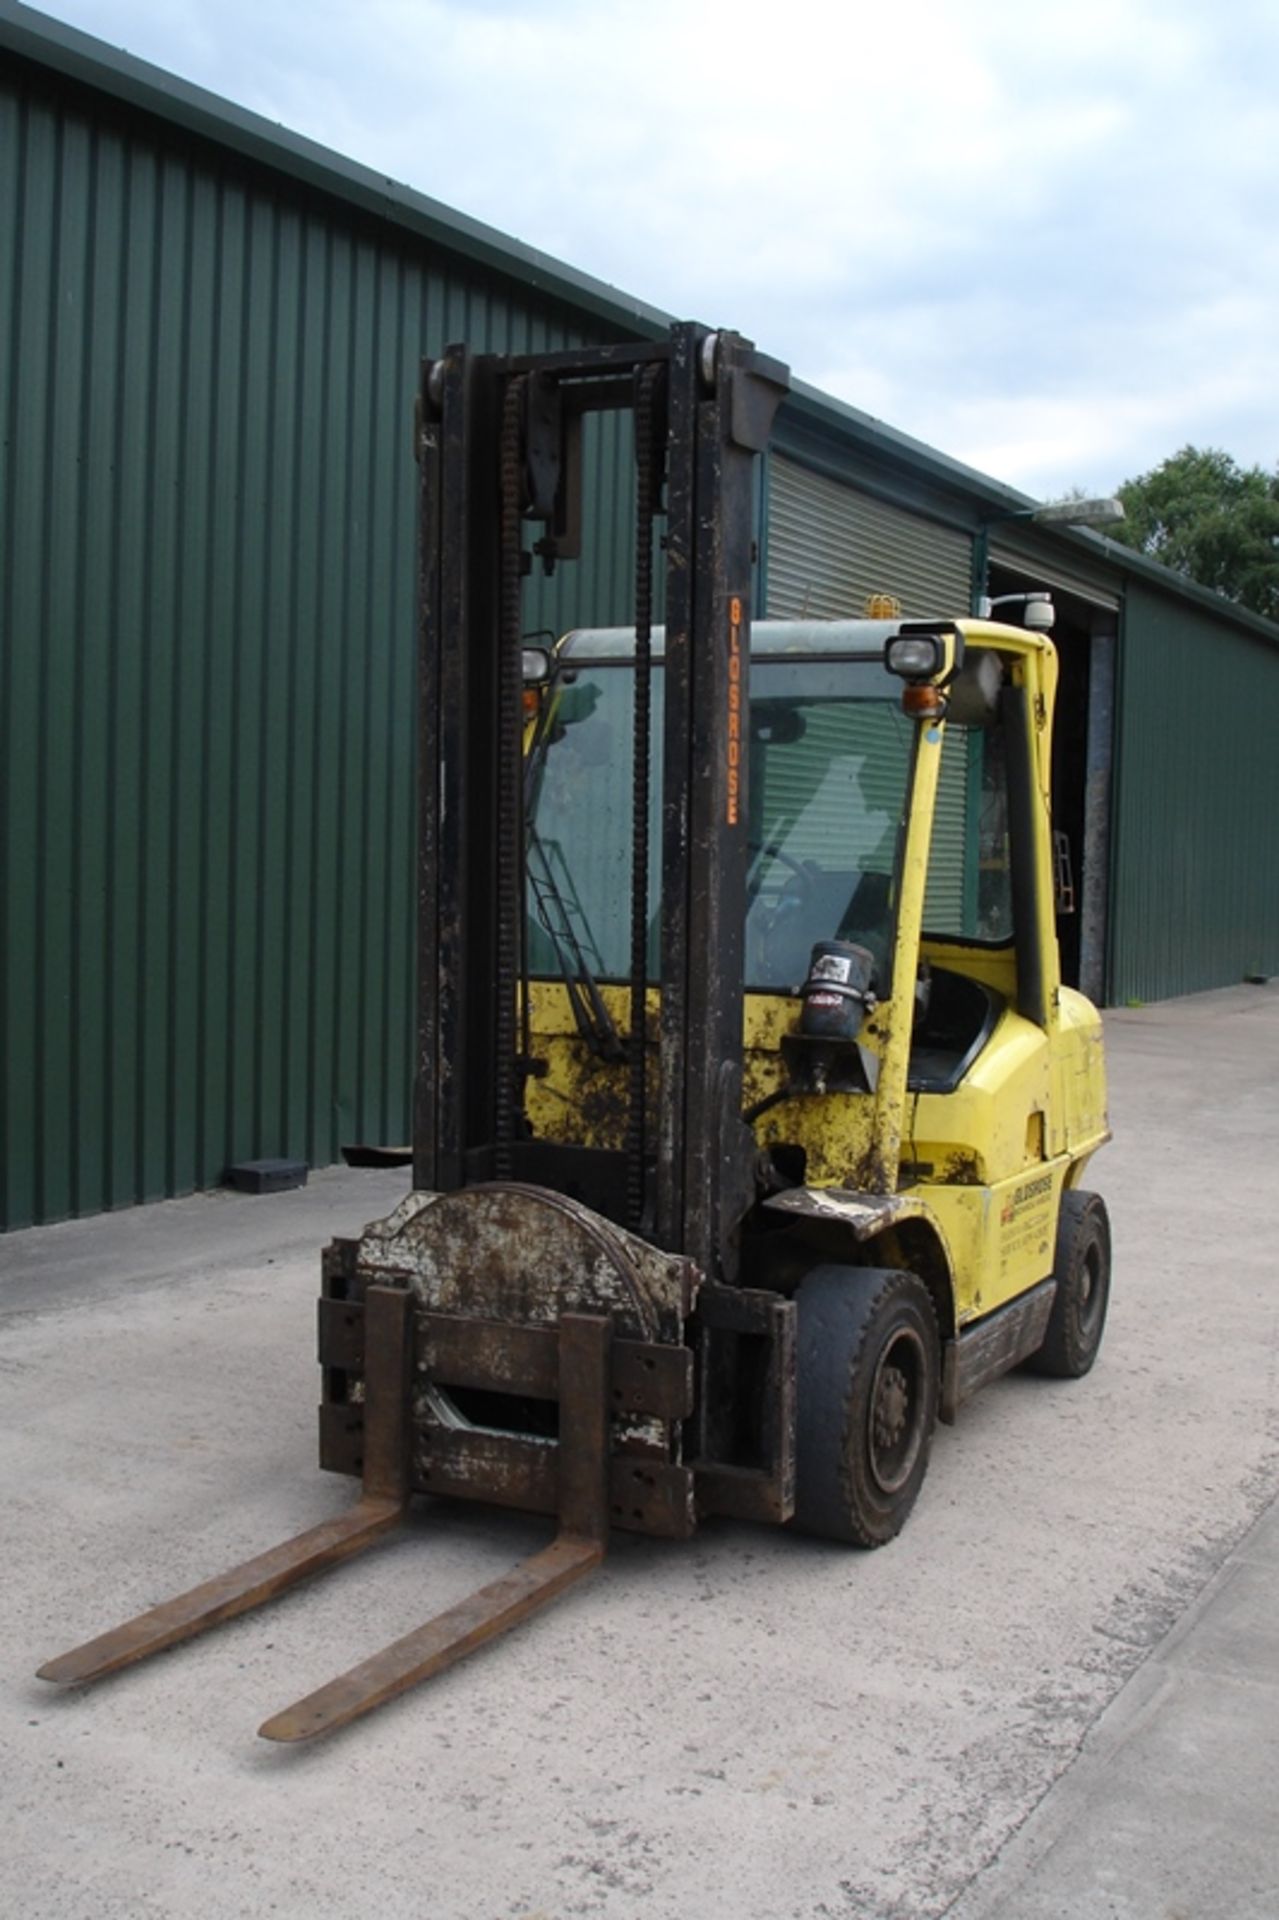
(232, 1593)
(737, 1309)
(582, 1501)
(742, 1493)
(494, 1270)
(340, 1334)
(442, 1642)
(387, 1372)
(779, 1411)
(646, 1494)
(486, 1389)
(507, 825)
(470, 1463)
(582, 1463)
(337, 1267)
(652, 1496)
(489, 1354)
(746, 1353)
(578, 1480)
(864, 1214)
(650, 399)
(386, 1465)
(1006, 1337)
(342, 1437)
(651, 1379)
(525, 1255)
(718, 416)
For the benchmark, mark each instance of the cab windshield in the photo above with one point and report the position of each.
(830, 760)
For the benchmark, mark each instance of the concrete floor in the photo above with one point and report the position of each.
(1054, 1695)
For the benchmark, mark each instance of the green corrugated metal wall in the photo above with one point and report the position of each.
(1195, 886)
(206, 653)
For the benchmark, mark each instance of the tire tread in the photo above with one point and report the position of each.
(839, 1311)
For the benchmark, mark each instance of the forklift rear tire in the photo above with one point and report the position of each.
(1081, 1268)
(868, 1366)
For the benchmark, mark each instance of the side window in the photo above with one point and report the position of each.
(969, 890)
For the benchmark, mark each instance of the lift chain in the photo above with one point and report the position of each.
(649, 464)
(510, 891)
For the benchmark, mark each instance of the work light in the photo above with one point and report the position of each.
(914, 656)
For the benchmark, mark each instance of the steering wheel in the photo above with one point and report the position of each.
(772, 851)
(777, 954)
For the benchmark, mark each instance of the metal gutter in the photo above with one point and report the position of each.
(1098, 549)
(1178, 585)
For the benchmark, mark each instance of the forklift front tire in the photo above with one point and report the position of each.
(868, 1375)
(1081, 1268)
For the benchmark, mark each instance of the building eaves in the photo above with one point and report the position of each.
(1137, 566)
(990, 498)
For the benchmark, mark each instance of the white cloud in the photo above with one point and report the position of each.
(1039, 237)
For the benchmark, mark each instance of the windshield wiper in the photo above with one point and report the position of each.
(560, 914)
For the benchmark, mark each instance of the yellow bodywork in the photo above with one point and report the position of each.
(985, 1164)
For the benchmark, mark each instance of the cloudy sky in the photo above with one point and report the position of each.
(1041, 235)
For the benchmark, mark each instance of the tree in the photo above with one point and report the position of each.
(1205, 516)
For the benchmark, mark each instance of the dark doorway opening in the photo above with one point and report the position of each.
(1084, 635)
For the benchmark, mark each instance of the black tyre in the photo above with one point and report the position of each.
(1081, 1268)
(868, 1366)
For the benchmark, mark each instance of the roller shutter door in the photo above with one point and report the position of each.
(830, 547)
(835, 797)
(950, 862)
(1056, 574)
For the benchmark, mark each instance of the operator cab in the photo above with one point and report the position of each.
(831, 765)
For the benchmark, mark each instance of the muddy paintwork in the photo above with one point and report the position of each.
(506, 1252)
(980, 1169)
(575, 1097)
(864, 1215)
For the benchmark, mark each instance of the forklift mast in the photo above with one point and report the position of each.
(500, 474)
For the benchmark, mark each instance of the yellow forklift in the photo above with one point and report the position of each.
(751, 1113)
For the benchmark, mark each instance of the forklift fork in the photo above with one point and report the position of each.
(584, 1344)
